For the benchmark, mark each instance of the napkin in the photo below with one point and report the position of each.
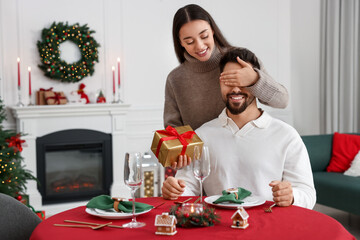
(231, 197)
(105, 202)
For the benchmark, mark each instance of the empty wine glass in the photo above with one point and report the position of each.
(201, 166)
(133, 179)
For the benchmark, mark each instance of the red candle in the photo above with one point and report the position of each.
(118, 72)
(18, 60)
(29, 69)
(113, 72)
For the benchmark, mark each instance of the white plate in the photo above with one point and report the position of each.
(250, 201)
(111, 214)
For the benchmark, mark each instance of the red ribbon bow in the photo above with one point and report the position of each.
(170, 131)
(15, 142)
(46, 90)
(57, 97)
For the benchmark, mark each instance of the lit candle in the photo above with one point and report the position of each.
(118, 60)
(29, 69)
(192, 208)
(113, 72)
(18, 60)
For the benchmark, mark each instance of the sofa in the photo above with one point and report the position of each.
(333, 189)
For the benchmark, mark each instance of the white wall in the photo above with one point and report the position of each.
(284, 34)
(305, 65)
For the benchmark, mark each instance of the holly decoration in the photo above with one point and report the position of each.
(205, 219)
(13, 175)
(56, 68)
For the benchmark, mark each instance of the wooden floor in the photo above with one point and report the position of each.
(350, 221)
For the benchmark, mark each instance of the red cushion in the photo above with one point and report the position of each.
(344, 149)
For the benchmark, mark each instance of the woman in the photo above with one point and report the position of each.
(192, 92)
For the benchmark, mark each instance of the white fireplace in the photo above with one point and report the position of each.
(37, 121)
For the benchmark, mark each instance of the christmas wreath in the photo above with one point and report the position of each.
(205, 219)
(56, 68)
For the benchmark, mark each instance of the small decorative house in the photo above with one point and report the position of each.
(165, 224)
(240, 219)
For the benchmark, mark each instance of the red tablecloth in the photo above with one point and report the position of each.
(283, 223)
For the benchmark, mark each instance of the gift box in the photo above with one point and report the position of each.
(40, 96)
(55, 98)
(40, 214)
(168, 144)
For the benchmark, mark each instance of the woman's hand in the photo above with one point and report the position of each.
(244, 77)
(182, 161)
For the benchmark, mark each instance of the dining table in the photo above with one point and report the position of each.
(289, 223)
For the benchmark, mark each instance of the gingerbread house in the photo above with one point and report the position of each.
(165, 224)
(240, 219)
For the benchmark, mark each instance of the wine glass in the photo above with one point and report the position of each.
(133, 179)
(201, 165)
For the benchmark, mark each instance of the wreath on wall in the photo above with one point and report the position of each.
(56, 68)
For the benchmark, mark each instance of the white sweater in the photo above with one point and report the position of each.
(264, 150)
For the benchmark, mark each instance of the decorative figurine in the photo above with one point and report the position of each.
(82, 93)
(165, 224)
(240, 219)
(101, 98)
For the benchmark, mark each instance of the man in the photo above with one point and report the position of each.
(249, 149)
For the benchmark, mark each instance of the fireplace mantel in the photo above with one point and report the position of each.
(37, 121)
(39, 111)
(40, 120)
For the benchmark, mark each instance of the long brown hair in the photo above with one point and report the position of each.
(190, 13)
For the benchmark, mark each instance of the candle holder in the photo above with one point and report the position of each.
(114, 98)
(30, 102)
(19, 104)
(192, 209)
(119, 99)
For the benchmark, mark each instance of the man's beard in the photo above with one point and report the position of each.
(237, 108)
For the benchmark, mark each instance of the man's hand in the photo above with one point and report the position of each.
(244, 77)
(172, 188)
(282, 193)
(182, 161)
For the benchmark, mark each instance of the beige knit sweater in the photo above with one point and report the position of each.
(193, 97)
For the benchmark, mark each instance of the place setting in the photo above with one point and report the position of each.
(233, 198)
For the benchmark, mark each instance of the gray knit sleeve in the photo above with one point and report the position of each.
(268, 91)
(172, 115)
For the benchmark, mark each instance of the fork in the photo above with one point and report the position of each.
(177, 202)
(86, 223)
(98, 226)
(269, 210)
